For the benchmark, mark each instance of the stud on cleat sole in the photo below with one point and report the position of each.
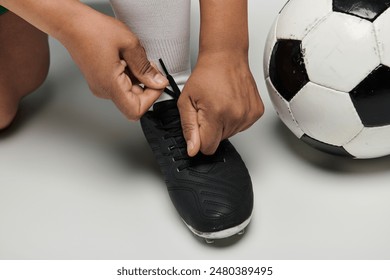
(237, 230)
(209, 241)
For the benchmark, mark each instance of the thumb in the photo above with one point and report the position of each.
(132, 100)
(142, 69)
(190, 125)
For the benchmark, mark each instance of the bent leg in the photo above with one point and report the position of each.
(24, 63)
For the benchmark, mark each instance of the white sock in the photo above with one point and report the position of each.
(163, 27)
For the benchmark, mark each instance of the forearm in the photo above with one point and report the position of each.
(224, 26)
(57, 18)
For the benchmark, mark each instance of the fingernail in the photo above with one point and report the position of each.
(190, 146)
(160, 79)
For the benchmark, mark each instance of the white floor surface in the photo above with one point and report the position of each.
(78, 181)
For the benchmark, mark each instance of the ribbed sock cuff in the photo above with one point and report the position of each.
(173, 52)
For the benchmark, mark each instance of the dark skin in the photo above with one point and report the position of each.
(24, 56)
(219, 100)
(213, 109)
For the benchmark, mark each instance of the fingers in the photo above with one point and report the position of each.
(190, 125)
(147, 98)
(211, 133)
(132, 100)
(141, 67)
(201, 133)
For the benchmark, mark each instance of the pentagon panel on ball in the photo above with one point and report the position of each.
(372, 98)
(366, 9)
(287, 69)
(327, 70)
(327, 148)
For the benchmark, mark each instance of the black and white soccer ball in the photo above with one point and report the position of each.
(327, 69)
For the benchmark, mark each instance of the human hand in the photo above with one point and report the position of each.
(113, 62)
(219, 100)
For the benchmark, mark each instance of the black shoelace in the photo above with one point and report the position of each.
(170, 122)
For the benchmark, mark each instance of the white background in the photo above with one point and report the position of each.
(78, 181)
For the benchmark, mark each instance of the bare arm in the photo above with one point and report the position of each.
(47, 15)
(103, 48)
(220, 98)
(224, 27)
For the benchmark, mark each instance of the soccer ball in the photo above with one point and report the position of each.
(327, 70)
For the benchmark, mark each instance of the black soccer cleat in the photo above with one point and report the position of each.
(212, 194)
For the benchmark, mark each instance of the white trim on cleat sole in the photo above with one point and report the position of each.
(211, 236)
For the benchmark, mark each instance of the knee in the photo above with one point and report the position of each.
(12, 90)
(8, 106)
(36, 79)
(34, 76)
(14, 85)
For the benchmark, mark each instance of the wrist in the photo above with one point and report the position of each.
(235, 40)
(79, 18)
(224, 56)
(224, 27)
